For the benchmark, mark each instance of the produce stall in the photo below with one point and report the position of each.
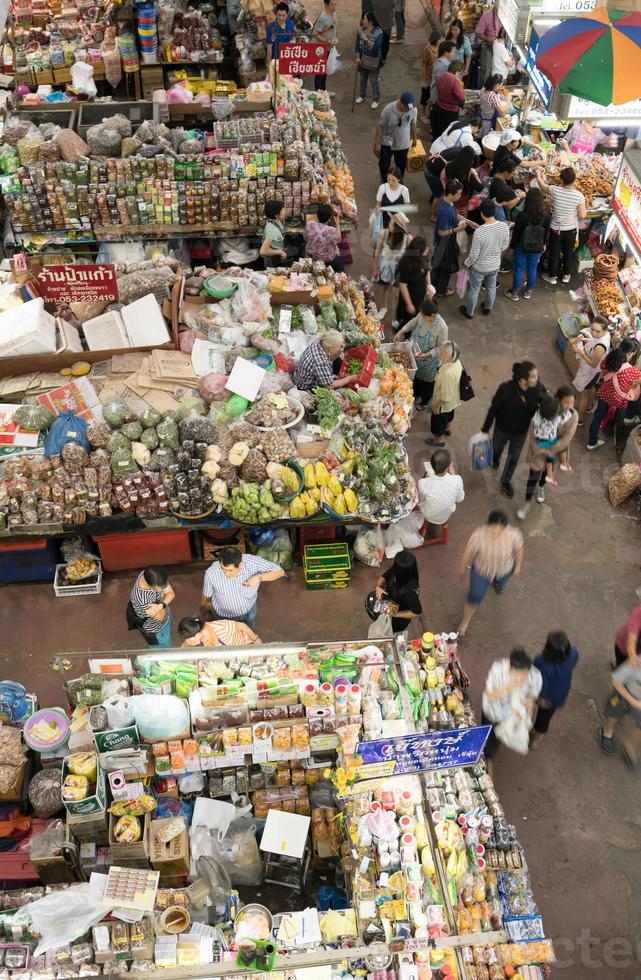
(149, 752)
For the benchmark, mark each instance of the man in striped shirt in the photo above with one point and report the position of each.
(484, 259)
(150, 599)
(231, 585)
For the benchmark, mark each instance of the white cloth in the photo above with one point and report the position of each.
(401, 192)
(502, 60)
(439, 495)
(500, 675)
(586, 373)
(454, 139)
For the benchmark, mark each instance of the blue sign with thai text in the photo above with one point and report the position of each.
(420, 753)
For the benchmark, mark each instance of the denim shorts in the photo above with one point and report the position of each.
(479, 586)
(618, 707)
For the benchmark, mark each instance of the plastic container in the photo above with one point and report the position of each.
(138, 549)
(220, 287)
(28, 561)
(79, 588)
(368, 358)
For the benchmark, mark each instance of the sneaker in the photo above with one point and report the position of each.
(374, 105)
(507, 490)
(486, 312)
(565, 279)
(551, 279)
(332, 95)
(527, 293)
(396, 40)
(463, 311)
(597, 445)
(512, 295)
(540, 495)
(607, 744)
(581, 422)
(633, 421)
(395, 324)
(522, 512)
(360, 99)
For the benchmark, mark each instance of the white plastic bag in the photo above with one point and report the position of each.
(82, 79)
(63, 916)
(369, 546)
(380, 628)
(403, 534)
(514, 731)
(238, 853)
(160, 716)
(333, 61)
(119, 712)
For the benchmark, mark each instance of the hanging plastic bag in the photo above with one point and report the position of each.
(369, 546)
(375, 227)
(462, 279)
(333, 61)
(238, 853)
(480, 449)
(380, 628)
(514, 731)
(63, 916)
(463, 242)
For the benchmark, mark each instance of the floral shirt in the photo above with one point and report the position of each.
(321, 241)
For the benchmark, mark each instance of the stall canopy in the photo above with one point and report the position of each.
(595, 57)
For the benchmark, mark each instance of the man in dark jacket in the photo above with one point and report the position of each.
(511, 412)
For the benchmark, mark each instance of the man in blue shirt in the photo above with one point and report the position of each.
(445, 258)
(280, 31)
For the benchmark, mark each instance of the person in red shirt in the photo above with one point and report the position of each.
(450, 97)
(626, 640)
(620, 385)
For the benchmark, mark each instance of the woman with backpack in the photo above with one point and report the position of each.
(529, 238)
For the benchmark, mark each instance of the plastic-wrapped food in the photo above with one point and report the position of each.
(149, 438)
(118, 441)
(277, 445)
(191, 406)
(114, 411)
(98, 434)
(132, 430)
(71, 146)
(254, 469)
(244, 432)
(34, 418)
(82, 953)
(140, 453)
(74, 457)
(118, 122)
(28, 148)
(128, 830)
(150, 418)
(122, 462)
(168, 434)
(39, 467)
(99, 457)
(130, 146)
(104, 142)
(161, 458)
(197, 428)
(172, 415)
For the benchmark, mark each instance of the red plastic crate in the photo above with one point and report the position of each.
(315, 535)
(137, 549)
(15, 866)
(368, 358)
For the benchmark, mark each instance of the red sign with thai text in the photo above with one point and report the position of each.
(302, 58)
(77, 283)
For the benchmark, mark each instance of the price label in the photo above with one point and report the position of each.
(20, 262)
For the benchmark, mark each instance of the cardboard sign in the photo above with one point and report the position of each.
(303, 58)
(77, 283)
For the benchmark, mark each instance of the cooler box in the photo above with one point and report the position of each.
(137, 549)
(28, 561)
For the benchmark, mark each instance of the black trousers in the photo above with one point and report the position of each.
(561, 245)
(385, 158)
(439, 423)
(442, 119)
(320, 83)
(515, 445)
(423, 390)
(619, 656)
(385, 47)
(492, 745)
(441, 279)
(543, 718)
(536, 477)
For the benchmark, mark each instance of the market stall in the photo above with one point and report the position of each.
(149, 753)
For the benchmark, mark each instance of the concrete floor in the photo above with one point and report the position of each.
(576, 811)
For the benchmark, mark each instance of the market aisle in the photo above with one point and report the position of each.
(576, 811)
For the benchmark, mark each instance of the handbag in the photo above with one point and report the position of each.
(466, 391)
(480, 448)
(370, 604)
(134, 622)
(370, 62)
(381, 628)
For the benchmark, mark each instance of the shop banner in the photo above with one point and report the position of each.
(77, 283)
(420, 753)
(302, 58)
(626, 203)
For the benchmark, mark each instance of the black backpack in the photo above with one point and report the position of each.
(533, 239)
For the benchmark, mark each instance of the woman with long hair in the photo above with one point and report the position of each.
(413, 280)
(400, 586)
(590, 347)
(391, 246)
(456, 33)
(555, 664)
(461, 168)
(492, 103)
(529, 237)
(458, 134)
(368, 49)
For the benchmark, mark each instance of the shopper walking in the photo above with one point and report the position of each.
(395, 133)
(537, 457)
(429, 332)
(428, 60)
(399, 21)
(413, 280)
(196, 632)
(590, 347)
(400, 586)
(149, 604)
(484, 259)
(487, 31)
(231, 585)
(511, 691)
(493, 103)
(392, 192)
(493, 554)
(568, 207)
(619, 386)
(529, 237)
(383, 10)
(391, 246)
(450, 98)
(626, 640)
(556, 665)
(446, 249)
(456, 33)
(624, 700)
(510, 412)
(446, 55)
(368, 47)
(324, 32)
(440, 490)
(447, 397)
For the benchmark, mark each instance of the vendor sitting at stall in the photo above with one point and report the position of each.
(195, 632)
(511, 140)
(316, 366)
(273, 249)
(280, 31)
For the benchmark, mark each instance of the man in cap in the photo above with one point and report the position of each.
(395, 133)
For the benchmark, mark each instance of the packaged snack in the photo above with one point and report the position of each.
(128, 830)
(83, 764)
(75, 788)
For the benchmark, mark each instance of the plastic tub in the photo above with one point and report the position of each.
(28, 561)
(140, 548)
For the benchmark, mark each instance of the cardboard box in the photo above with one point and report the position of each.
(14, 793)
(89, 828)
(119, 738)
(130, 855)
(91, 804)
(171, 858)
(54, 870)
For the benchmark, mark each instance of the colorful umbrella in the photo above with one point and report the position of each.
(596, 57)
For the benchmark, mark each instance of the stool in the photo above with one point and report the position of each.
(442, 539)
(288, 872)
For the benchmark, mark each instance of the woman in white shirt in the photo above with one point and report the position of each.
(457, 135)
(393, 191)
(502, 60)
(512, 688)
(590, 346)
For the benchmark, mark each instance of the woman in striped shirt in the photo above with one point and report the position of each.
(150, 599)
(568, 206)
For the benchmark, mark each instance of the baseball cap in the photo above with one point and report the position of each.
(408, 100)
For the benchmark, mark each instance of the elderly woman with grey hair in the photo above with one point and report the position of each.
(315, 368)
(446, 398)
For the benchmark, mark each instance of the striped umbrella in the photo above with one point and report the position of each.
(596, 57)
